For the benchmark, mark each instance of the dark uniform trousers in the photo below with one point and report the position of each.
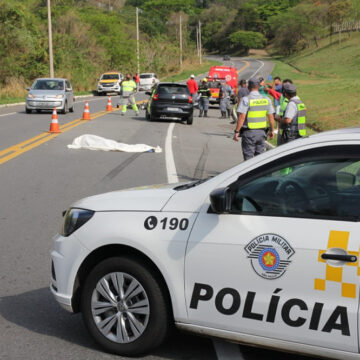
(252, 142)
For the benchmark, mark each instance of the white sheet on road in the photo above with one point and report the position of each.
(94, 142)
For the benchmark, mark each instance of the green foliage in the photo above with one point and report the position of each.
(245, 40)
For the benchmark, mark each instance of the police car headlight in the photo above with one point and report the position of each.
(75, 218)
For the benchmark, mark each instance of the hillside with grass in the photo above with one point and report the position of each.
(327, 78)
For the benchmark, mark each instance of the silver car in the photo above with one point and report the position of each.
(48, 93)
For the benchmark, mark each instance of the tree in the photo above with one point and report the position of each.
(245, 40)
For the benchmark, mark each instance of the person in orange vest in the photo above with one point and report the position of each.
(136, 78)
(193, 88)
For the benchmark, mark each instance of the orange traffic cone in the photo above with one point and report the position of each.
(86, 113)
(54, 125)
(109, 106)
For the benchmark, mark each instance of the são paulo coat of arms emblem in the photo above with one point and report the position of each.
(269, 255)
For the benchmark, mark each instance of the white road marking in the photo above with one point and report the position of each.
(262, 64)
(227, 351)
(8, 114)
(169, 157)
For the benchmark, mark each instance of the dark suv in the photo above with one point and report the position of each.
(170, 101)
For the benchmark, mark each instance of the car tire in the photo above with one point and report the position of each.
(28, 111)
(126, 333)
(152, 118)
(147, 116)
(189, 120)
(65, 109)
(72, 109)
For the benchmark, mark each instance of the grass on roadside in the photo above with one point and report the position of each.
(327, 82)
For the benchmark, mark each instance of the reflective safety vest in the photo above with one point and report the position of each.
(298, 123)
(283, 104)
(128, 86)
(256, 115)
(204, 91)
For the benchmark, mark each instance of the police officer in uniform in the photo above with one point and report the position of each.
(253, 111)
(128, 88)
(294, 120)
(279, 116)
(225, 93)
(204, 94)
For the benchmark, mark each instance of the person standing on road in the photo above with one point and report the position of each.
(225, 94)
(243, 91)
(193, 87)
(253, 111)
(283, 102)
(294, 119)
(128, 88)
(204, 95)
(137, 81)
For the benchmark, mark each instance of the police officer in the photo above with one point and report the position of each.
(294, 119)
(225, 93)
(204, 94)
(128, 88)
(253, 111)
(283, 104)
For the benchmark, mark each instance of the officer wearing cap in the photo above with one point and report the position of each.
(204, 94)
(253, 112)
(294, 119)
(283, 105)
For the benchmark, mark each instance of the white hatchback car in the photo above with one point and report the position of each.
(266, 253)
(147, 81)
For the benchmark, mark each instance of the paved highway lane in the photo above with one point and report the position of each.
(38, 184)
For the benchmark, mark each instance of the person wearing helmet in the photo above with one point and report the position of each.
(204, 95)
(128, 88)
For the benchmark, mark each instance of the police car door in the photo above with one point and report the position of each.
(282, 261)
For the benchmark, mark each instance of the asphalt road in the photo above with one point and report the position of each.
(40, 177)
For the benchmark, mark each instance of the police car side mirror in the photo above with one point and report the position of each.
(220, 200)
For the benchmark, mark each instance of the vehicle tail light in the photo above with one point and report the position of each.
(156, 97)
(190, 100)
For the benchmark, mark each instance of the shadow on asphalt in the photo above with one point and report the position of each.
(38, 312)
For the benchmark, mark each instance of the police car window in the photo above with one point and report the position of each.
(327, 189)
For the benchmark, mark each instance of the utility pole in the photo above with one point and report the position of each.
(180, 35)
(137, 42)
(51, 60)
(197, 41)
(200, 49)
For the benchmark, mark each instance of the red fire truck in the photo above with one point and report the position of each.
(219, 75)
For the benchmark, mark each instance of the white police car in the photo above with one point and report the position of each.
(266, 253)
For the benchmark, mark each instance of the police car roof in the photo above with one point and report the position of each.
(344, 131)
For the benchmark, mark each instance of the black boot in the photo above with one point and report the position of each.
(228, 112)
(205, 113)
(200, 115)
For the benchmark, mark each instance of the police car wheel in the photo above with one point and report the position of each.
(189, 120)
(124, 307)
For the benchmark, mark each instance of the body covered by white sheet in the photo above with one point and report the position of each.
(94, 142)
